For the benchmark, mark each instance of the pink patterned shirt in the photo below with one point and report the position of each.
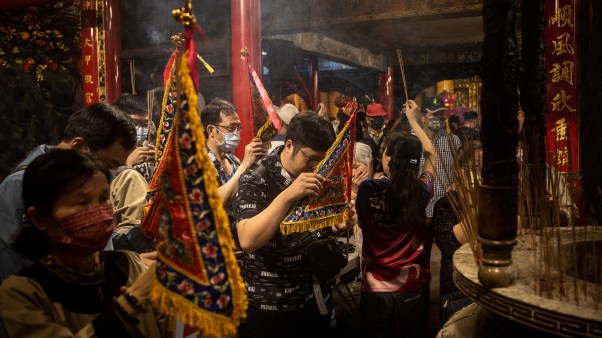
(395, 257)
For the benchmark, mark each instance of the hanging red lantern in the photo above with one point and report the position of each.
(342, 102)
(447, 98)
(448, 101)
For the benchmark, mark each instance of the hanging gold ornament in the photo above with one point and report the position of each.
(184, 15)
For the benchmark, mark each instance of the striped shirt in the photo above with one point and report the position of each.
(445, 146)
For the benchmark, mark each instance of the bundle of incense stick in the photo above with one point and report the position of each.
(150, 100)
(133, 76)
(403, 73)
(467, 178)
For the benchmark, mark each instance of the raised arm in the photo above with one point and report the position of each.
(256, 231)
(253, 152)
(430, 156)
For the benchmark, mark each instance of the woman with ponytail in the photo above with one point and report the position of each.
(396, 240)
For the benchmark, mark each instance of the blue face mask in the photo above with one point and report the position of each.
(231, 141)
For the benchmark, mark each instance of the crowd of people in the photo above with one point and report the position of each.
(74, 261)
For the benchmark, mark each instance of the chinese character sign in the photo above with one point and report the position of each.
(562, 85)
(90, 64)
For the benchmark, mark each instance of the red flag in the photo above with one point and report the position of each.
(265, 120)
(150, 223)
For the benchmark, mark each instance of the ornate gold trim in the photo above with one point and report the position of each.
(100, 50)
(572, 177)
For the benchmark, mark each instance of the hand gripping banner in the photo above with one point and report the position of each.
(330, 205)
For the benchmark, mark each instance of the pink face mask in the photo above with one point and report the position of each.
(87, 231)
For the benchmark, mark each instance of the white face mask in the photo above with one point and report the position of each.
(231, 141)
(141, 134)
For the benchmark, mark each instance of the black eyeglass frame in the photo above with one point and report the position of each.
(310, 161)
(231, 129)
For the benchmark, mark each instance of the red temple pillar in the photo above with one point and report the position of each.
(101, 47)
(385, 92)
(246, 33)
(112, 49)
(90, 51)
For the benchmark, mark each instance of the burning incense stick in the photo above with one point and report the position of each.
(132, 76)
(403, 73)
(150, 98)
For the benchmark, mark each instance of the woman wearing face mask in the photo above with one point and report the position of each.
(73, 289)
(222, 130)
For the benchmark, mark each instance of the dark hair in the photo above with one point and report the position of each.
(359, 129)
(102, 124)
(471, 115)
(454, 122)
(132, 104)
(45, 180)
(343, 118)
(361, 116)
(158, 105)
(212, 113)
(404, 193)
(308, 129)
(465, 155)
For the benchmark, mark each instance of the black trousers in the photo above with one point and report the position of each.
(301, 323)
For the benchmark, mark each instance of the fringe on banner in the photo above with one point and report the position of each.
(173, 304)
(263, 128)
(160, 146)
(266, 143)
(311, 225)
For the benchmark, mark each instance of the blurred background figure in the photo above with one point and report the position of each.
(285, 113)
(142, 159)
(374, 135)
(468, 130)
(445, 145)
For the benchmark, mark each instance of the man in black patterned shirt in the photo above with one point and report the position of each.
(279, 283)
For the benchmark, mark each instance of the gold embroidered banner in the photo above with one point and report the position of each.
(329, 207)
(198, 280)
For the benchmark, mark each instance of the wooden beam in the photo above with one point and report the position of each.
(335, 50)
(281, 17)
